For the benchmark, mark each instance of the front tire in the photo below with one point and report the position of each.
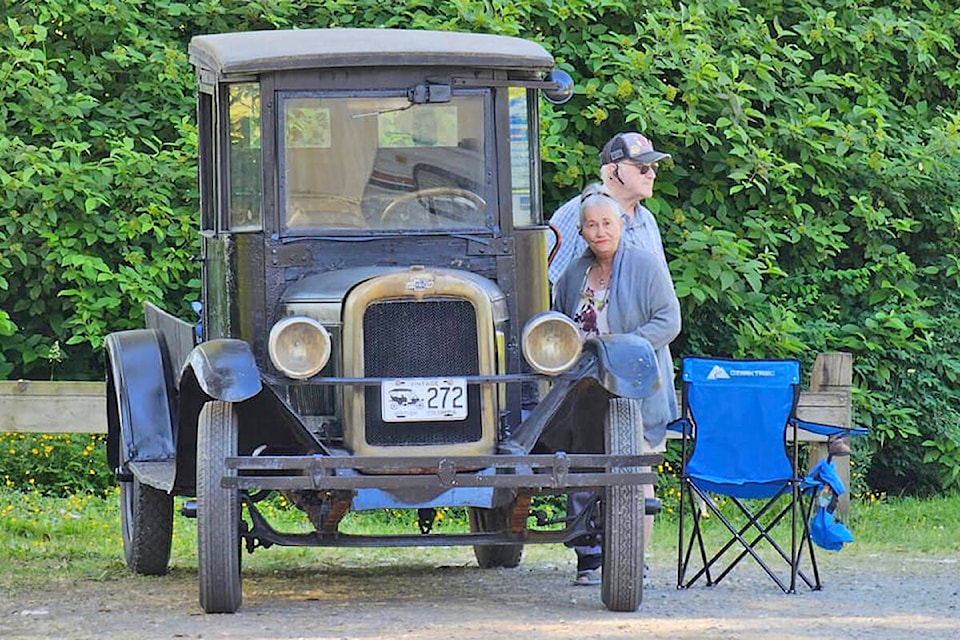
(218, 510)
(623, 511)
(146, 526)
(490, 556)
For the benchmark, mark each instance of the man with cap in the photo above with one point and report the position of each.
(628, 168)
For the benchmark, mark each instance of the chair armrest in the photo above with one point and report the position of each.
(827, 429)
(680, 425)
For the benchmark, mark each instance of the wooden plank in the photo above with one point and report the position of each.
(833, 372)
(29, 406)
(63, 407)
(827, 407)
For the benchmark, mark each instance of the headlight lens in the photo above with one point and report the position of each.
(551, 343)
(299, 346)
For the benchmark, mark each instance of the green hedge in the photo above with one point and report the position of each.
(811, 206)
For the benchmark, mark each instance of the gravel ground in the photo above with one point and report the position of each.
(875, 596)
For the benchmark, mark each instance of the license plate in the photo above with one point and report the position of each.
(423, 399)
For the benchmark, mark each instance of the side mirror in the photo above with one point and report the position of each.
(561, 89)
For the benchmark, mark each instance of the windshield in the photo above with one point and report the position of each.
(380, 162)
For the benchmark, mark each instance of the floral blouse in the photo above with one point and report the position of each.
(591, 315)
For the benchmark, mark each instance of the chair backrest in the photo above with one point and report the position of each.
(740, 409)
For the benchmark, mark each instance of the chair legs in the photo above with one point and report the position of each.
(790, 504)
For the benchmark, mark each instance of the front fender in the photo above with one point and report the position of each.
(626, 364)
(140, 398)
(225, 369)
(613, 365)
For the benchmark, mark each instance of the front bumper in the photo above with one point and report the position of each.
(556, 471)
(341, 478)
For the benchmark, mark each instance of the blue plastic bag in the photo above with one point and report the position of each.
(825, 530)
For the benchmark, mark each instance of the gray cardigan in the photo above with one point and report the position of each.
(641, 301)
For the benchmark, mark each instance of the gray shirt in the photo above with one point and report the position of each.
(641, 301)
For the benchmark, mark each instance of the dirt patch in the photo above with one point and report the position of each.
(876, 596)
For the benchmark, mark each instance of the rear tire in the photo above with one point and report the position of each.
(491, 556)
(623, 510)
(146, 526)
(218, 510)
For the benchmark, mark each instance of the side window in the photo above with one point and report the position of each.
(207, 185)
(246, 178)
(524, 172)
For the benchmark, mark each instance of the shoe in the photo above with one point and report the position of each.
(587, 578)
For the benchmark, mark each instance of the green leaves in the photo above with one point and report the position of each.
(81, 82)
(718, 263)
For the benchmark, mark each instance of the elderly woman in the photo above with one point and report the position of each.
(612, 288)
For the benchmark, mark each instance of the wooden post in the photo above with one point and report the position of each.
(834, 372)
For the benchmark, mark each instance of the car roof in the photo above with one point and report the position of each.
(263, 51)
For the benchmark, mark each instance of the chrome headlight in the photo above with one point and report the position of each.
(299, 346)
(551, 343)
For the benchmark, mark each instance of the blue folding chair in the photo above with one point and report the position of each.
(739, 428)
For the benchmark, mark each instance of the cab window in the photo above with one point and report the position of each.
(246, 180)
(524, 173)
(377, 161)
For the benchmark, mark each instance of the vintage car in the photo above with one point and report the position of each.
(374, 330)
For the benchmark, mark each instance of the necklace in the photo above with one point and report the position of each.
(603, 278)
(587, 292)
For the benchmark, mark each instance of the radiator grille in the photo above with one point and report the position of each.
(410, 339)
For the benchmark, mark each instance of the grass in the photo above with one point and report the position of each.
(927, 526)
(78, 538)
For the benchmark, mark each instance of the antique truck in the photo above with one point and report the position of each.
(374, 330)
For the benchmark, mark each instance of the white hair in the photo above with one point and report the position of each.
(596, 195)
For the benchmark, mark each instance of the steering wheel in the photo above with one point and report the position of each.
(457, 197)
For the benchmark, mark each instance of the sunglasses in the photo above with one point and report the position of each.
(644, 167)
